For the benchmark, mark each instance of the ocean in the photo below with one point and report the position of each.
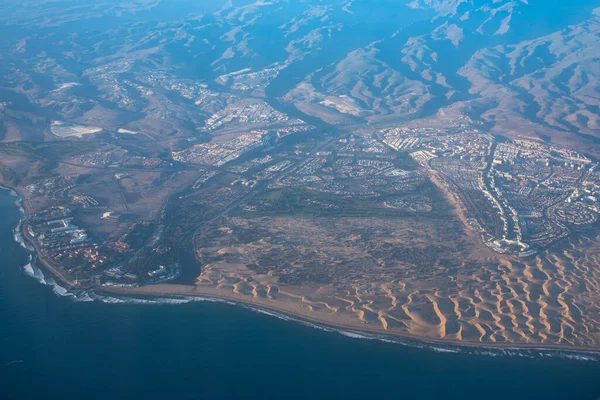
(53, 346)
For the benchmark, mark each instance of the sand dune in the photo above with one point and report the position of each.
(551, 299)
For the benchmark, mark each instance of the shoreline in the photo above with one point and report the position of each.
(377, 334)
(167, 291)
(22, 231)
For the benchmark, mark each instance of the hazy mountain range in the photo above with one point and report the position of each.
(523, 67)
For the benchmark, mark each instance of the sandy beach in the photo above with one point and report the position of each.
(304, 313)
(549, 301)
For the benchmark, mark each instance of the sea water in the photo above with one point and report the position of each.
(55, 344)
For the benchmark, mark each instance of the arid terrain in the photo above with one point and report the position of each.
(426, 168)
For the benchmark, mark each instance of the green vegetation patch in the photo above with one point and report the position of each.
(8, 175)
(273, 196)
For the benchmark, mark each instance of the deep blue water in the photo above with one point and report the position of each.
(54, 348)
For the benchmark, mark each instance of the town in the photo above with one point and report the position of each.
(521, 196)
(219, 154)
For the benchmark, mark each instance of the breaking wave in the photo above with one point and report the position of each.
(91, 296)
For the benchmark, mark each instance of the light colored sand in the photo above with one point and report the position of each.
(552, 300)
(127, 131)
(64, 129)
